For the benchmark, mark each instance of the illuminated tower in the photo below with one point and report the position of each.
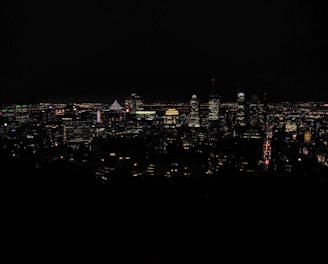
(194, 112)
(254, 111)
(213, 104)
(99, 116)
(307, 136)
(240, 115)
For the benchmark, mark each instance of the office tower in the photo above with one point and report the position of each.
(213, 104)
(113, 114)
(77, 131)
(253, 111)
(307, 137)
(194, 120)
(171, 118)
(99, 116)
(134, 103)
(241, 102)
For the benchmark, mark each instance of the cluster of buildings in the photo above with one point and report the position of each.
(135, 138)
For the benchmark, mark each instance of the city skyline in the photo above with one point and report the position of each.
(161, 179)
(163, 50)
(241, 138)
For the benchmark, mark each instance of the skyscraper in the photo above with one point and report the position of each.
(241, 103)
(99, 116)
(194, 120)
(213, 104)
(253, 112)
(134, 103)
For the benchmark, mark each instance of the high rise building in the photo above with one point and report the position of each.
(134, 103)
(241, 108)
(99, 116)
(253, 111)
(171, 118)
(194, 120)
(213, 103)
(213, 107)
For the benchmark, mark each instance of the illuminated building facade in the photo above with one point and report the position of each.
(240, 114)
(171, 118)
(194, 120)
(99, 116)
(77, 131)
(214, 108)
(115, 106)
(134, 103)
(253, 116)
(213, 104)
(307, 137)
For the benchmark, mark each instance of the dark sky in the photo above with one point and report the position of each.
(102, 49)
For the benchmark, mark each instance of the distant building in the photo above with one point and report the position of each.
(307, 137)
(253, 116)
(171, 118)
(213, 107)
(145, 115)
(213, 104)
(113, 114)
(99, 119)
(240, 114)
(115, 106)
(77, 131)
(134, 103)
(194, 120)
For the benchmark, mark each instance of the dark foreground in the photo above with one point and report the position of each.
(68, 214)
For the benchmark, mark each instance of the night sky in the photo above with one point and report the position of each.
(99, 50)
